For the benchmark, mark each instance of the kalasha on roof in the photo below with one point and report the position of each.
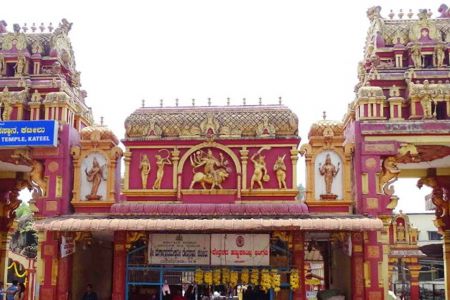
(191, 122)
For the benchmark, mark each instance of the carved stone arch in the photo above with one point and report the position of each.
(225, 149)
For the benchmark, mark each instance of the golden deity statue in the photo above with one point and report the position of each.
(416, 56)
(260, 170)
(95, 175)
(21, 65)
(215, 171)
(2, 64)
(328, 170)
(439, 52)
(401, 232)
(145, 168)
(426, 100)
(160, 163)
(280, 170)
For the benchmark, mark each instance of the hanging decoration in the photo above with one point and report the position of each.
(216, 277)
(266, 280)
(198, 276)
(225, 276)
(254, 277)
(208, 277)
(16, 271)
(245, 275)
(234, 278)
(294, 279)
(276, 280)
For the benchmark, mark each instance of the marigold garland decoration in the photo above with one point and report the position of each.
(198, 276)
(276, 280)
(216, 277)
(266, 280)
(254, 277)
(294, 279)
(225, 276)
(245, 276)
(208, 277)
(234, 278)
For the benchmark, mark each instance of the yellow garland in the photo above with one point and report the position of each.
(225, 276)
(216, 276)
(266, 280)
(276, 280)
(244, 276)
(234, 278)
(254, 277)
(198, 277)
(208, 277)
(14, 264)
(294, 279)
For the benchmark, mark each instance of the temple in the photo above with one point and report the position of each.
(208, 198)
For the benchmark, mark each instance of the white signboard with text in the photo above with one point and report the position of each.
(240, 249)
(179, 249)
(67, 246)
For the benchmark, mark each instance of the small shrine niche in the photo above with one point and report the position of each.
(328, 176)
(402, 231)
(97, 169)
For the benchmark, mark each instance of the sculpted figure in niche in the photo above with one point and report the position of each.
(95, 175)
(145, 168)
(328, 170)
(280, 170)
(439, 53)
(401, 232)
(21, 65)
(260, 171)
(160, 163)
(2, 64)
(416, 55)
(426, 100)
(215, 171)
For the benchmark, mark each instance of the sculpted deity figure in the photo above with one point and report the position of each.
(280, 170)
(426, 99)
(328, 170)
(439, 53)
(95, 175)
(416, 55)
(215, 170)
(145, 168)
(260, 170)
(160, 163)
(401, 236)
(21, 65)
(2, 64)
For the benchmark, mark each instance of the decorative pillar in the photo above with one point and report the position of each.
(175, 158)
(446, 256)
(298, 259)
(414, 270)
(244, 160)
(373, 256)
(294, 159)
(126, 178)
(64, 277)
(120, 259)
(357, 266)
(3, 255)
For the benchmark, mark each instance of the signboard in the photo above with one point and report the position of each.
(29, 133)
(67, 246)
(240, 249)
(179, 249)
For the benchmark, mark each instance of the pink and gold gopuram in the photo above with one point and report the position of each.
(208, 194)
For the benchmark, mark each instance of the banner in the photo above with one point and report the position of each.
(179, 249)
(240, 249)
(29, 133)
(67, 246)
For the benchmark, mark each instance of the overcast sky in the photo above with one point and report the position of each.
(303, 51)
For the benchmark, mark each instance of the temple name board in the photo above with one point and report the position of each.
(240, 249)
(29, 133)
(179, 249)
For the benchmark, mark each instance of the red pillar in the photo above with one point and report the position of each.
(49, 255)
(298, 260)
(357, 266)
(373, 256)
(414, 289)
(120, 259)
(64, 278)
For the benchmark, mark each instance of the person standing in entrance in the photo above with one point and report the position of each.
(90, 294)
(11, 291)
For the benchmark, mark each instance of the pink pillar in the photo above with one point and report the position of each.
(299, 263)
(357, 266)
(64, 278)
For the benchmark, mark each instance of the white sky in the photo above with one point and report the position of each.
(304, 51)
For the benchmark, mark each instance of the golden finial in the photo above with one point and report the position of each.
(101, 120)
(279, 101)
(228, 101)
(260, 101)
(209, 101)
(193, 102)
(244, 101)
(324, 115)
(410, 14)
(143, 102)
(161, 102)
(391, 14)
(176, 102)
(401, 14)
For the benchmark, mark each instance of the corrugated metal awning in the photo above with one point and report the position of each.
(86, 223)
